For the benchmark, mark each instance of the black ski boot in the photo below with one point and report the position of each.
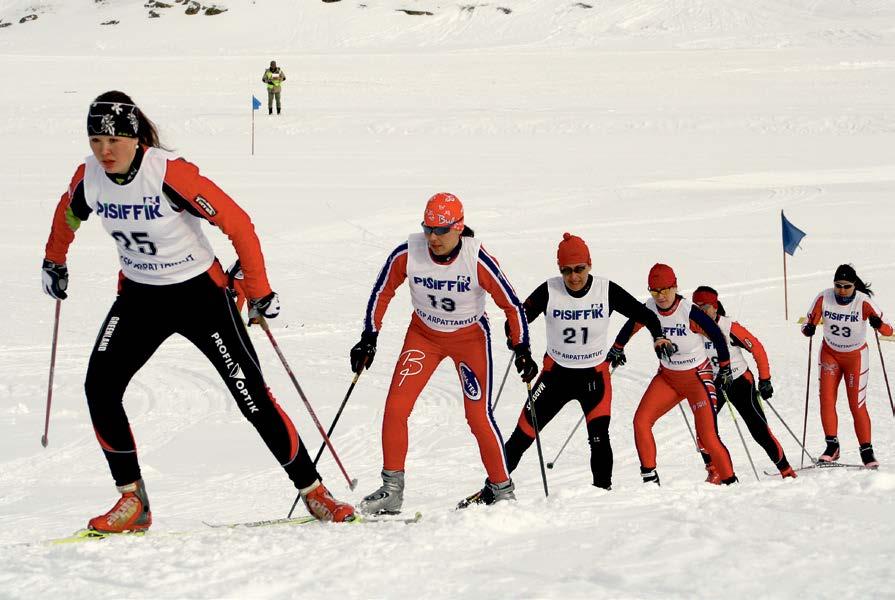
(867, 456)
(831, 453)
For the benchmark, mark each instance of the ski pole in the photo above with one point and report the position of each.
(742, 439)
(571, 433)
(534, 422)
(263, 322)
(505, 373)
(328, 433)
(690, 429)
(807, 387)
(44, 440)
(794, 436)
(885, 375)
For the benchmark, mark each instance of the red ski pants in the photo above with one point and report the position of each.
(424, 349)
(854, 367)
(665, 391)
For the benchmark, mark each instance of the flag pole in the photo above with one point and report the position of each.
(785, 290)
(253, 126)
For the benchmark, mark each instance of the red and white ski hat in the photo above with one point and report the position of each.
(443, 210)
(661, 276)
(572, 251)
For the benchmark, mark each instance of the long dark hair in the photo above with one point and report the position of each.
(847, 272)
(147, 133)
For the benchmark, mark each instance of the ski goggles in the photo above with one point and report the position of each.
(843, 286)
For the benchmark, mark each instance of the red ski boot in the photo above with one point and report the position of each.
(321, 504)
(130, 513)
(713, 477)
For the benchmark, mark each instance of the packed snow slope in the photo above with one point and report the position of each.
(658, 130)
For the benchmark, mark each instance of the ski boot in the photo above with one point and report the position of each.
(831, 452)
(490, 493)
(130, 513)
(713, 476)
(867, 456)
(649, 475)
(785, 469)
(389, 498)
(321, 504)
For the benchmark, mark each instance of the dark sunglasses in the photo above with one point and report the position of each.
(437, 230)
(843, 286)
(579, 269)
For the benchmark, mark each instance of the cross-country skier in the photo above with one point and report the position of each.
(742, 393)
(687, 373)
(449, 274)
(576, 308)
(845, 309)
(153, 203)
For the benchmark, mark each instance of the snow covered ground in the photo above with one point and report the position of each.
(658, 130)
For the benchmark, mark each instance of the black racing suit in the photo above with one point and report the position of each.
(591, 386)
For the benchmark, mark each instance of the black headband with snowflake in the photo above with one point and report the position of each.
(113, 118)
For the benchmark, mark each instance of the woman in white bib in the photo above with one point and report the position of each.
(153, 204)
(845, 310)
(742, 392)
(684, 374)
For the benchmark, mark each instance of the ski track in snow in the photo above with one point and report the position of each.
(658, 131)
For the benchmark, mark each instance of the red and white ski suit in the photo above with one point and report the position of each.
(449, 320)
(844, 355)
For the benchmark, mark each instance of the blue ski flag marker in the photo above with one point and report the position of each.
(256, 104)
(792, 235)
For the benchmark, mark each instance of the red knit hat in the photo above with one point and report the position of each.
(444, 209)
(572, 251)
(661, 276)
(705, 296)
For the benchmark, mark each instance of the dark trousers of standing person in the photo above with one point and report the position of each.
(743, 397)
(273, 94)
(555, 388)
(144, 316)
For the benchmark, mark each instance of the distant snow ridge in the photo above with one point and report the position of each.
(18, 12)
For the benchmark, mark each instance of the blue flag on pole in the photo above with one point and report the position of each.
(256, 104)
(792, 235)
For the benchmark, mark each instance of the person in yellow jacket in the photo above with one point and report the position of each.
(274, 78)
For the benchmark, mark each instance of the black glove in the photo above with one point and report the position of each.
(808, 329)
(616, 357)
(765, 388)
(267, 307)
(363, 352)
(525, 364)
(724, 378)
(875, 321)
(55, 279)
(665, 351)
